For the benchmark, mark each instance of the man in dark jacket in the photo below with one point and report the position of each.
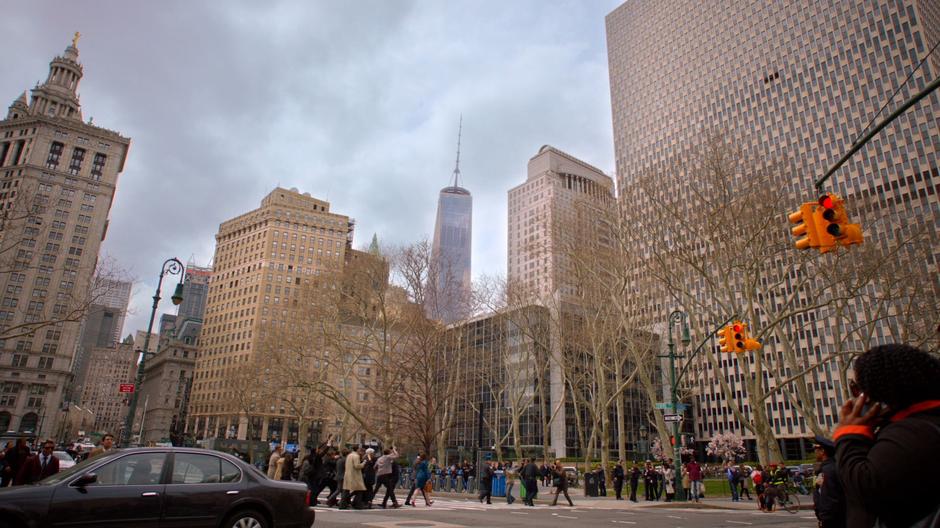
(368, 475)
(879, 449)
(546, 473)
(618, 480)
(649, 481)
(317, 470)
(530, 479)
(339, 475)
(13, 458)
(828, 495)
(634, 481)
(38, 467)
(486, 483)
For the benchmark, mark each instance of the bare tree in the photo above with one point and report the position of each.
(22, 233)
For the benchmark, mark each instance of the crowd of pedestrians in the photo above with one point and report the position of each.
(887, 432)
(19, 465)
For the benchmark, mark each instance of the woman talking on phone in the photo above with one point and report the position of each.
(888, 433)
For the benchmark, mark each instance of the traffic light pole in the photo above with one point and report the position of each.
(674, 317)
(867, 137)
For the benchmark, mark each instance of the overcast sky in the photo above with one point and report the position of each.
(355, 102)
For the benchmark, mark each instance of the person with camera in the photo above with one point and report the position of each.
(888, 432)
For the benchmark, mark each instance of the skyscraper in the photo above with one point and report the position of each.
(101, 328)
(450, 252)
(58, 176)
(539, 208)
(108, 367)
(541, 212)
(263, 261)
(192, 310)
(790, 81)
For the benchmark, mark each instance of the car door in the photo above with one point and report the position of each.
(128, 492)
(200, 490)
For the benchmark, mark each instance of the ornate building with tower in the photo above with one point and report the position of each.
(58, 176)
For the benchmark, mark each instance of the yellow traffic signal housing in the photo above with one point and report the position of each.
(825, 225)
(806, 226)
(833, 224)
(736, 339)
(738, 335)
(724, 340)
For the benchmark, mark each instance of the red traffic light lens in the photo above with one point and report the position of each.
(737, 328)
(826, 201)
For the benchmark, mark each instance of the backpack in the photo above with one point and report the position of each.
(757, 477)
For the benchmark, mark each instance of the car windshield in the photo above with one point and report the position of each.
(63, 456)
(66, 474)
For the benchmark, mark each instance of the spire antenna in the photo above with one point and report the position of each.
(457, 165)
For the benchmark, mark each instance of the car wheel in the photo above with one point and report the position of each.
(246, 519)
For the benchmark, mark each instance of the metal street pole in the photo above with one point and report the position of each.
(171, 266)
(675, 317)
(478, 456)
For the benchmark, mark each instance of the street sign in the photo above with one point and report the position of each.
(672, 417)
(668, 406)
(126, 387)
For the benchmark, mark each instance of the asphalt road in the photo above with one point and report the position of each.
(460, 513)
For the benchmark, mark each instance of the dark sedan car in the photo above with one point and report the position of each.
(158, 487)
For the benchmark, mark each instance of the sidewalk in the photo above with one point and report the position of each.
(580, 501)
(545, 498)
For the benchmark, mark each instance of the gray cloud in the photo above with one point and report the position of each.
(354, 102)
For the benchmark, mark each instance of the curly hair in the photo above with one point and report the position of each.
(898, 375)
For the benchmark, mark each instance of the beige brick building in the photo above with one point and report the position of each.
(108, 368)
(57, 182)
(783, 81)
(263, 260)
(542, 213)
(538, 212)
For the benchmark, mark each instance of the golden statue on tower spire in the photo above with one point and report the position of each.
(75, 39)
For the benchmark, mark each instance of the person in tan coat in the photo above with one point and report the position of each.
(354, 485)
(107, 444)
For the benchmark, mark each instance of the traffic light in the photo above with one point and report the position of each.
(737, 341)
(725, 338)
(833, 224)
(745, 341)
(805, 226)
(824, 225)
(734, 338)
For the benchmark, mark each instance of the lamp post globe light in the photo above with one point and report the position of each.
(172, 266)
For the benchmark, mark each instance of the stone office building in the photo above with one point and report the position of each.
(58, 176)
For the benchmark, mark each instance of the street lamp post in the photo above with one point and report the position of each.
(171, 266)
(677, 316)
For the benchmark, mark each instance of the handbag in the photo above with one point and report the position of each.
(556, 482)
(428, 487)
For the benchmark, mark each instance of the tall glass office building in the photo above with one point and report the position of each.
(450, 273)
(791, 83)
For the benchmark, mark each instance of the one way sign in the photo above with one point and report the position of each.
(672, 417)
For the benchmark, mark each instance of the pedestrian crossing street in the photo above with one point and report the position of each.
(440, 504)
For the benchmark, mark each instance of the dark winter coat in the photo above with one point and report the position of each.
(829, 496)
(877, 468)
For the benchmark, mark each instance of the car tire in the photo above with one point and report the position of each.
(246, 519)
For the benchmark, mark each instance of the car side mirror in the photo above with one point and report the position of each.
(86, 479)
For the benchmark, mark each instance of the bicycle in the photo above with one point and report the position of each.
(788, 499)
